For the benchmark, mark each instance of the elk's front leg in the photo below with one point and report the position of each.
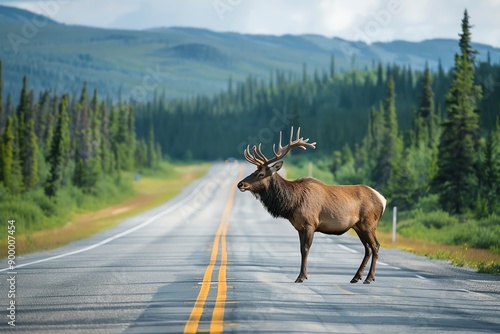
(306, 238)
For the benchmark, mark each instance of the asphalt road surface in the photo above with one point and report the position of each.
(213, 260)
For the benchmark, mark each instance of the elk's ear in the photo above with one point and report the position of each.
(276, 167)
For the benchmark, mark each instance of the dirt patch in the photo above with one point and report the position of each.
(461, 255)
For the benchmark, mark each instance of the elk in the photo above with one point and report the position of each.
(312, 206)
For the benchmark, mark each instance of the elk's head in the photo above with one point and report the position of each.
(260, 178)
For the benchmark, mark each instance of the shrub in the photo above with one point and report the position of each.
(48, 206)
(35, 211)
(27, 214)
(428, 203)
(489, 267)
(436, 219)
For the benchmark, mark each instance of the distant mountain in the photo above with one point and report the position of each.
(185, 61)
(16, 15)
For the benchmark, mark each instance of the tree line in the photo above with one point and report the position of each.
(50, 141)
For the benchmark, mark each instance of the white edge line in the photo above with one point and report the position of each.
(355, 251)
(484, 281)
(421, 277)
(119, 235)
(348, 249)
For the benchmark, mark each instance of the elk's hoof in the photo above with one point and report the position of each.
(367, 282)
(355, 279)
(299, 280)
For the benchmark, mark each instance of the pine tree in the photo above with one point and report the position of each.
(30, 167)
(43, 119)
(11, 168)
(496, 158)
(2, 112)
(151, 153)
(304, 74)
(23, 116)
(426, 121)
(59, 150)
(2, 107)
(95, 129)
(122, 135)
(17, 185)
(489, 177)
(402, 185)
(456, 180)
(8, 107)
(105, 148)
(347, 157)
(390, 153)
(82, 141)
(376, 130)
(7, 154)
(113, 138)
(130, 136)
(465, 40)
(332, 66)
(123, 140)
(158, 155)
(141, 153)
(49, 129)
(87, 152)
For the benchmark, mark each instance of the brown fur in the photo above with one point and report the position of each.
(312, 206)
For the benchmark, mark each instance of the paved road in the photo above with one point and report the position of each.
(212, 259)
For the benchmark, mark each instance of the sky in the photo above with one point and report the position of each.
(366, 20)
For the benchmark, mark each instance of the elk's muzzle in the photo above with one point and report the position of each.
(242, 186)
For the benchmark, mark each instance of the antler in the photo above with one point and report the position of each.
(259, 159)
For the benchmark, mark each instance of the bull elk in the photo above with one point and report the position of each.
(312, 206)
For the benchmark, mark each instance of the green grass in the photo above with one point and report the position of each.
(300, 167)
(464, 241)
(33, 211)
(439, 227)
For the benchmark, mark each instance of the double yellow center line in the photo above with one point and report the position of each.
(217, 323)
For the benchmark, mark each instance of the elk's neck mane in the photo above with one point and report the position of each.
(281, 197)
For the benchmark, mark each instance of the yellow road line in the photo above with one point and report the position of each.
(194, 319)
(216, 325)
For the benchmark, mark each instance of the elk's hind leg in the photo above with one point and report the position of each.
(375, 246)
(368, 251)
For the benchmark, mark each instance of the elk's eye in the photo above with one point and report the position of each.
(261, 175)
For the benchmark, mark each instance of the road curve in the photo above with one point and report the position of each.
(214, 260)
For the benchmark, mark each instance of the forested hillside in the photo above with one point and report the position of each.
(177, 61)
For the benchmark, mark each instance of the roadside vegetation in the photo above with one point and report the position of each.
(85, 215)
